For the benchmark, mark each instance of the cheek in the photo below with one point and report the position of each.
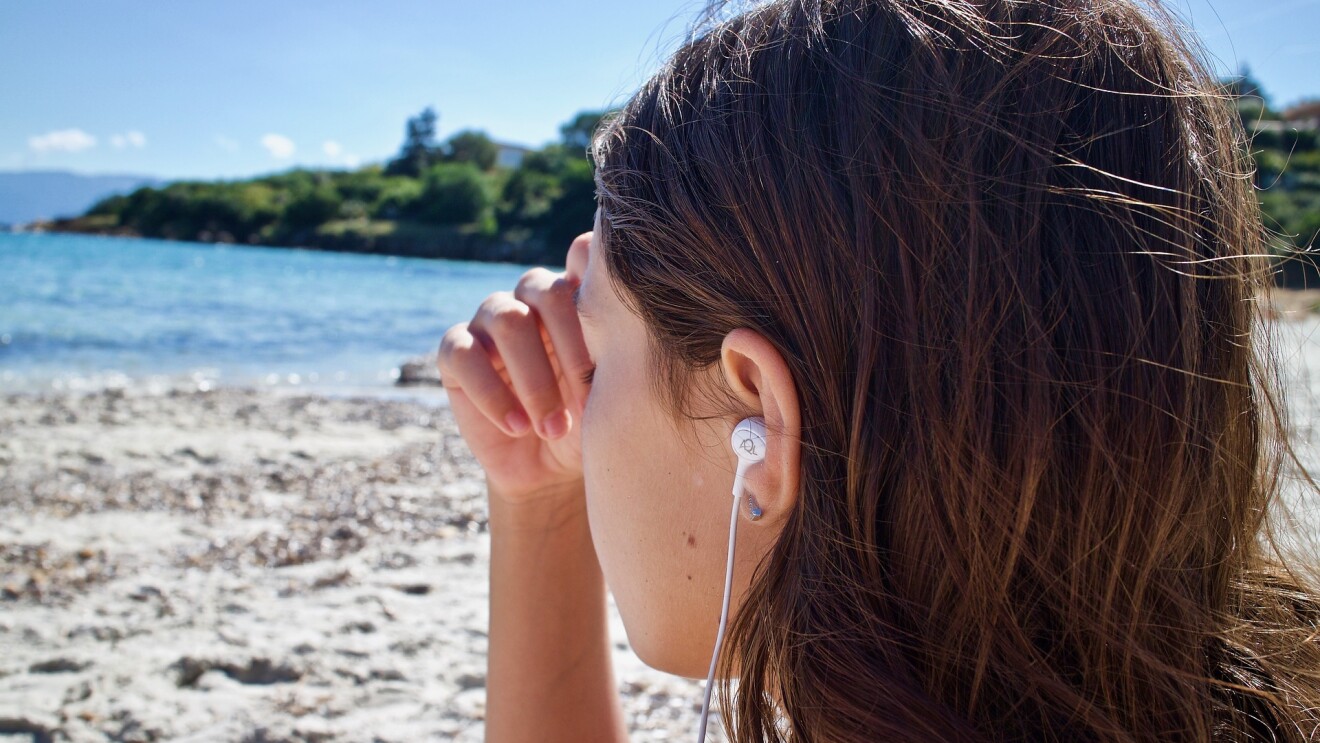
(598, 471)
(607, 475)
(659, 539)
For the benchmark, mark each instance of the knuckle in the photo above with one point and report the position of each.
(451, 361)
(511, 318)
(454, 339)
(493, 302)
(535, 277)
(453, 336)
(534, 285)
(502, 313)
(561, 289)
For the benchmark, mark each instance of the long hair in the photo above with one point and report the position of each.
(1011, 254)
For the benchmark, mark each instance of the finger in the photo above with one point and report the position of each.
(516, 332)
(550, 295)
(464, 364)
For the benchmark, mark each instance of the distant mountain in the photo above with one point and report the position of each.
(26, 195)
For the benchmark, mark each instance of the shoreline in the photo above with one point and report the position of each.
(426, 394)
(399, 238)
(422, 383)
(243, 563)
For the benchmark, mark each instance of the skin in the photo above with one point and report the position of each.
(618, 491)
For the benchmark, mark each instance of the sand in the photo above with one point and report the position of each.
(250, 565)
(196, 564)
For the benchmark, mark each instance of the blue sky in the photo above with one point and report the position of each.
(232, 88)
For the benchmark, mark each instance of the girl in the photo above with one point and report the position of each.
(987, 270)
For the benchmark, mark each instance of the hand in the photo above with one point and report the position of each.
(522, 357)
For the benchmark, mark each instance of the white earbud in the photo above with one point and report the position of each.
(748, 441)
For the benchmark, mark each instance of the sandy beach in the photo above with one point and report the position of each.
(183, 562)
(241, 564)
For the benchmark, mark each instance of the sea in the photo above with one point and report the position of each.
(81, 312)
(86, 312)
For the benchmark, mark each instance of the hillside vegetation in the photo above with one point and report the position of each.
(454, 199)
(448, 199)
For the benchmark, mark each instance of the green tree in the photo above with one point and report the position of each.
(419, 148)
(471, 146)
(311, 207)
(1245, 85)
(398, 197)
(551, 194)
(572, 212)
(1253, 104)
(364, 184)
(527, 195)
(111, 205)
(453, 193)
(576, 134)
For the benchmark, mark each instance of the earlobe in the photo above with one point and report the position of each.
(756, 372)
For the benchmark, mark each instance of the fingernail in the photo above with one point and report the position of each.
(555, 424)
(518, 422)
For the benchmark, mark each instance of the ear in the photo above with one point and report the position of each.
(758, 375)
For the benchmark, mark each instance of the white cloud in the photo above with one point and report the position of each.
(62, 140)
(336, 152)
(226, 143)
(132, 138)
(279, 146)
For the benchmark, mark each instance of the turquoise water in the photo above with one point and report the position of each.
(85, 311)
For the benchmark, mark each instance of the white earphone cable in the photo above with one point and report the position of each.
(724, 610)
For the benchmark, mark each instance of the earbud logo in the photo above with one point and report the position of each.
(749, 445)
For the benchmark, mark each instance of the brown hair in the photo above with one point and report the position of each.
(1010, 252)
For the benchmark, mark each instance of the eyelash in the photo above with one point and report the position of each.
(589, 376)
